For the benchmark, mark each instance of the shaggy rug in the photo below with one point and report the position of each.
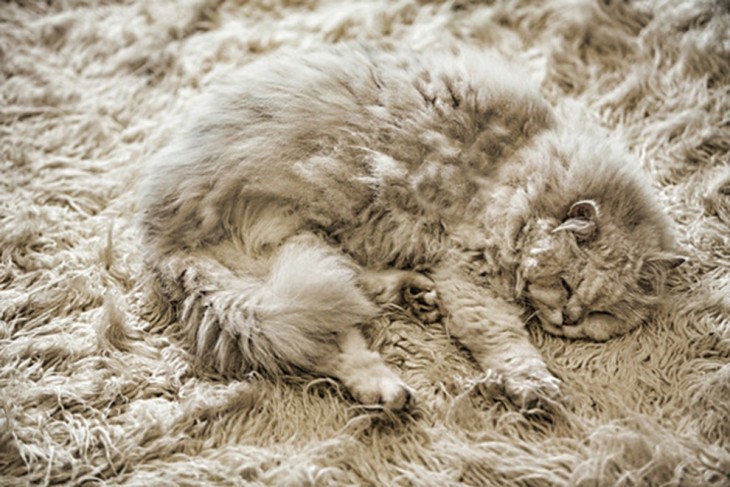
(95, 386)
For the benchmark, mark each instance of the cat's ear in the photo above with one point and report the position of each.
(655, 268)
(582, 220)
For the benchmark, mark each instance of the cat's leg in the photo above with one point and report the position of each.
(329, 290)
(365, 374)
(297, 308)
(413, 290)
(493, 331)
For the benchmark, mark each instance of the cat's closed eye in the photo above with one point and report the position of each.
(567, 287)
(600, 314)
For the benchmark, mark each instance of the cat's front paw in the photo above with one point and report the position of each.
(420, 296)
(532, 389)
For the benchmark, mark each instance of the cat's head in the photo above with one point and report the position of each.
(595, 261)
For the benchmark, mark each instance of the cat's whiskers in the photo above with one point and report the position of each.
(530, 317)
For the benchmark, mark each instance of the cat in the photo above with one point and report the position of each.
(313, 187)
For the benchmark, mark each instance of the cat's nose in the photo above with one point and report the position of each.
(574, 314)
(574, 320)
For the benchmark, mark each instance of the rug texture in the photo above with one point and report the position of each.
(94, 384)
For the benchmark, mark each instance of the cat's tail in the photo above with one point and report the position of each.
(271, 313)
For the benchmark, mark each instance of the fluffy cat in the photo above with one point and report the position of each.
(314, 187)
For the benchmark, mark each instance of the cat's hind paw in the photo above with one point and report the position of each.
(367, 377)
(381, 387)
(421, 298)
(412, 290)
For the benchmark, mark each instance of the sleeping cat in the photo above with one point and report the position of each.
(314, 187)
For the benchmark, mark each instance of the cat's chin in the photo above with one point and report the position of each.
(552, 329)
(596, 326)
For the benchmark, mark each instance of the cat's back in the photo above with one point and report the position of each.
(346, 100)
(330, 130)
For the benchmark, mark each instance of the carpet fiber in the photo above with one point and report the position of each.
(94, 384)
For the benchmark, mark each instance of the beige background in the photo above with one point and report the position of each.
(94, 385)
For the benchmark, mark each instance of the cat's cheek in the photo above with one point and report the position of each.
(548, 303)
(552, 317)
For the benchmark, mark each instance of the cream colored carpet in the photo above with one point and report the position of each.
(95, 387)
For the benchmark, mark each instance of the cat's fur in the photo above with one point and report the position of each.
(315, 186)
